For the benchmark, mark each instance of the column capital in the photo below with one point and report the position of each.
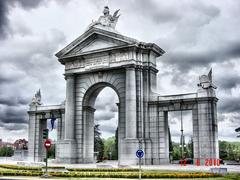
(150, 68)
(139, 68)
(89, 108)
(69, 76)
(130, 66)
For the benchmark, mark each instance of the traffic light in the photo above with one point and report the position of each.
(45, 134)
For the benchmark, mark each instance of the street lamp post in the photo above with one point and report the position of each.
(182, 137)
(110, 155)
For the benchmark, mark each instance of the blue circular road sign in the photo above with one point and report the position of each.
(139, 153)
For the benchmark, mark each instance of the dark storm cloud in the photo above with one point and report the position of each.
(13, 114)
(5, 5)
(5, 79)
(185, 59)
(24, 70)
(13, 101)
(205, 9)
(229, 105)
(228, 82)
(3, 17)
(28, 3)
(13, 126)
(145, 9)
(159, 14)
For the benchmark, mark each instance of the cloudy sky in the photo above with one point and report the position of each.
(196, 35)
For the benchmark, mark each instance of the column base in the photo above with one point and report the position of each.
(128, 148)
(66, 151)
(127, 154)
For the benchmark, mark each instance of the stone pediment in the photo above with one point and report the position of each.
(93, 40)
(99, 43)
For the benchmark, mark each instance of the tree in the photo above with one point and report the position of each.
(98, 142)
(110, 148)
(189, 149)
(51, 151)
(176, 153)
(6, 151)
(229, 150)
(223, 150)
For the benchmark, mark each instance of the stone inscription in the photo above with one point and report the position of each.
(96, 62)
(75, 64)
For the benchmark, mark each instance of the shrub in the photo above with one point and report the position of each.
(106, 173)
(7, 166)
(102, 169)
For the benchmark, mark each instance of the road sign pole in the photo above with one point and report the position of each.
(140, 155)
(140, 169)
(46, 161)
(140, 147)
(47, 145)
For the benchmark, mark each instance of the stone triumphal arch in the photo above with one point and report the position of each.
(103, 57)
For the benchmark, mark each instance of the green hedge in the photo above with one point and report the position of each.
(15, 167)
(100, 172)
(134, 175)
(102, 169)
(109, 174)
(20, 173)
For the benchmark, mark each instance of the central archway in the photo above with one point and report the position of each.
(88, 118)
(106, 126)
(87, 88)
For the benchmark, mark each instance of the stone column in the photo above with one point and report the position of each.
(67, 148)
(131, 125)
(139, 97)
(207, 124)
(31, 135)
(118, 135)
(195, 132)
(129, 144)
(70, 107)
(41, 148)
(88, 153)
(206, 115)
(37, 134)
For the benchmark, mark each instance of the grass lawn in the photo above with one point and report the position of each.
(31, 178)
